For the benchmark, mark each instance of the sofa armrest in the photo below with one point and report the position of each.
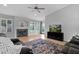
(65, 50)
(70, 48)
(73, 50)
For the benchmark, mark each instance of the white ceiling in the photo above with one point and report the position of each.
(23, 10)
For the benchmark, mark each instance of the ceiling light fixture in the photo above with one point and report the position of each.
(35, 14)
(4, 4)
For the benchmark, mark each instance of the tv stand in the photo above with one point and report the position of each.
(55, 35)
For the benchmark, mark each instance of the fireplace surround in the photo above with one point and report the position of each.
(22, 32)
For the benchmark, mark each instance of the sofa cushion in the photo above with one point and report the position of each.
(73, 50)
(74, 40)
(2, 35)
(70, 48)
(72, 45)
(65, 50)
(5, 41)
(7, 47)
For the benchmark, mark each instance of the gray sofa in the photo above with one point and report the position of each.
(24, 49)
(71, 47)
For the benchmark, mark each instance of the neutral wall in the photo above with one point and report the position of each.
(68, 17)
(16, 23)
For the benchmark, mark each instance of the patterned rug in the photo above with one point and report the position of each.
(41, 46)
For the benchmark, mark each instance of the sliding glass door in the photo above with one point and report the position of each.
(6, 27)
(34, 28)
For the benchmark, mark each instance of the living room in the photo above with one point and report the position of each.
(39, 29)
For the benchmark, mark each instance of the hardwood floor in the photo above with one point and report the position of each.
(29, 38)
(35, 37)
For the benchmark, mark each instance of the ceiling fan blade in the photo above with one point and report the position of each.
(32, 10)
(41, 8)
(30, 7)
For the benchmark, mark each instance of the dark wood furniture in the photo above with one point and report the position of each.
(55, 35)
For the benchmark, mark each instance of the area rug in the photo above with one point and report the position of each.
(41, 46)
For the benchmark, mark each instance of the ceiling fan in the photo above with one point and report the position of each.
(38, 9)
